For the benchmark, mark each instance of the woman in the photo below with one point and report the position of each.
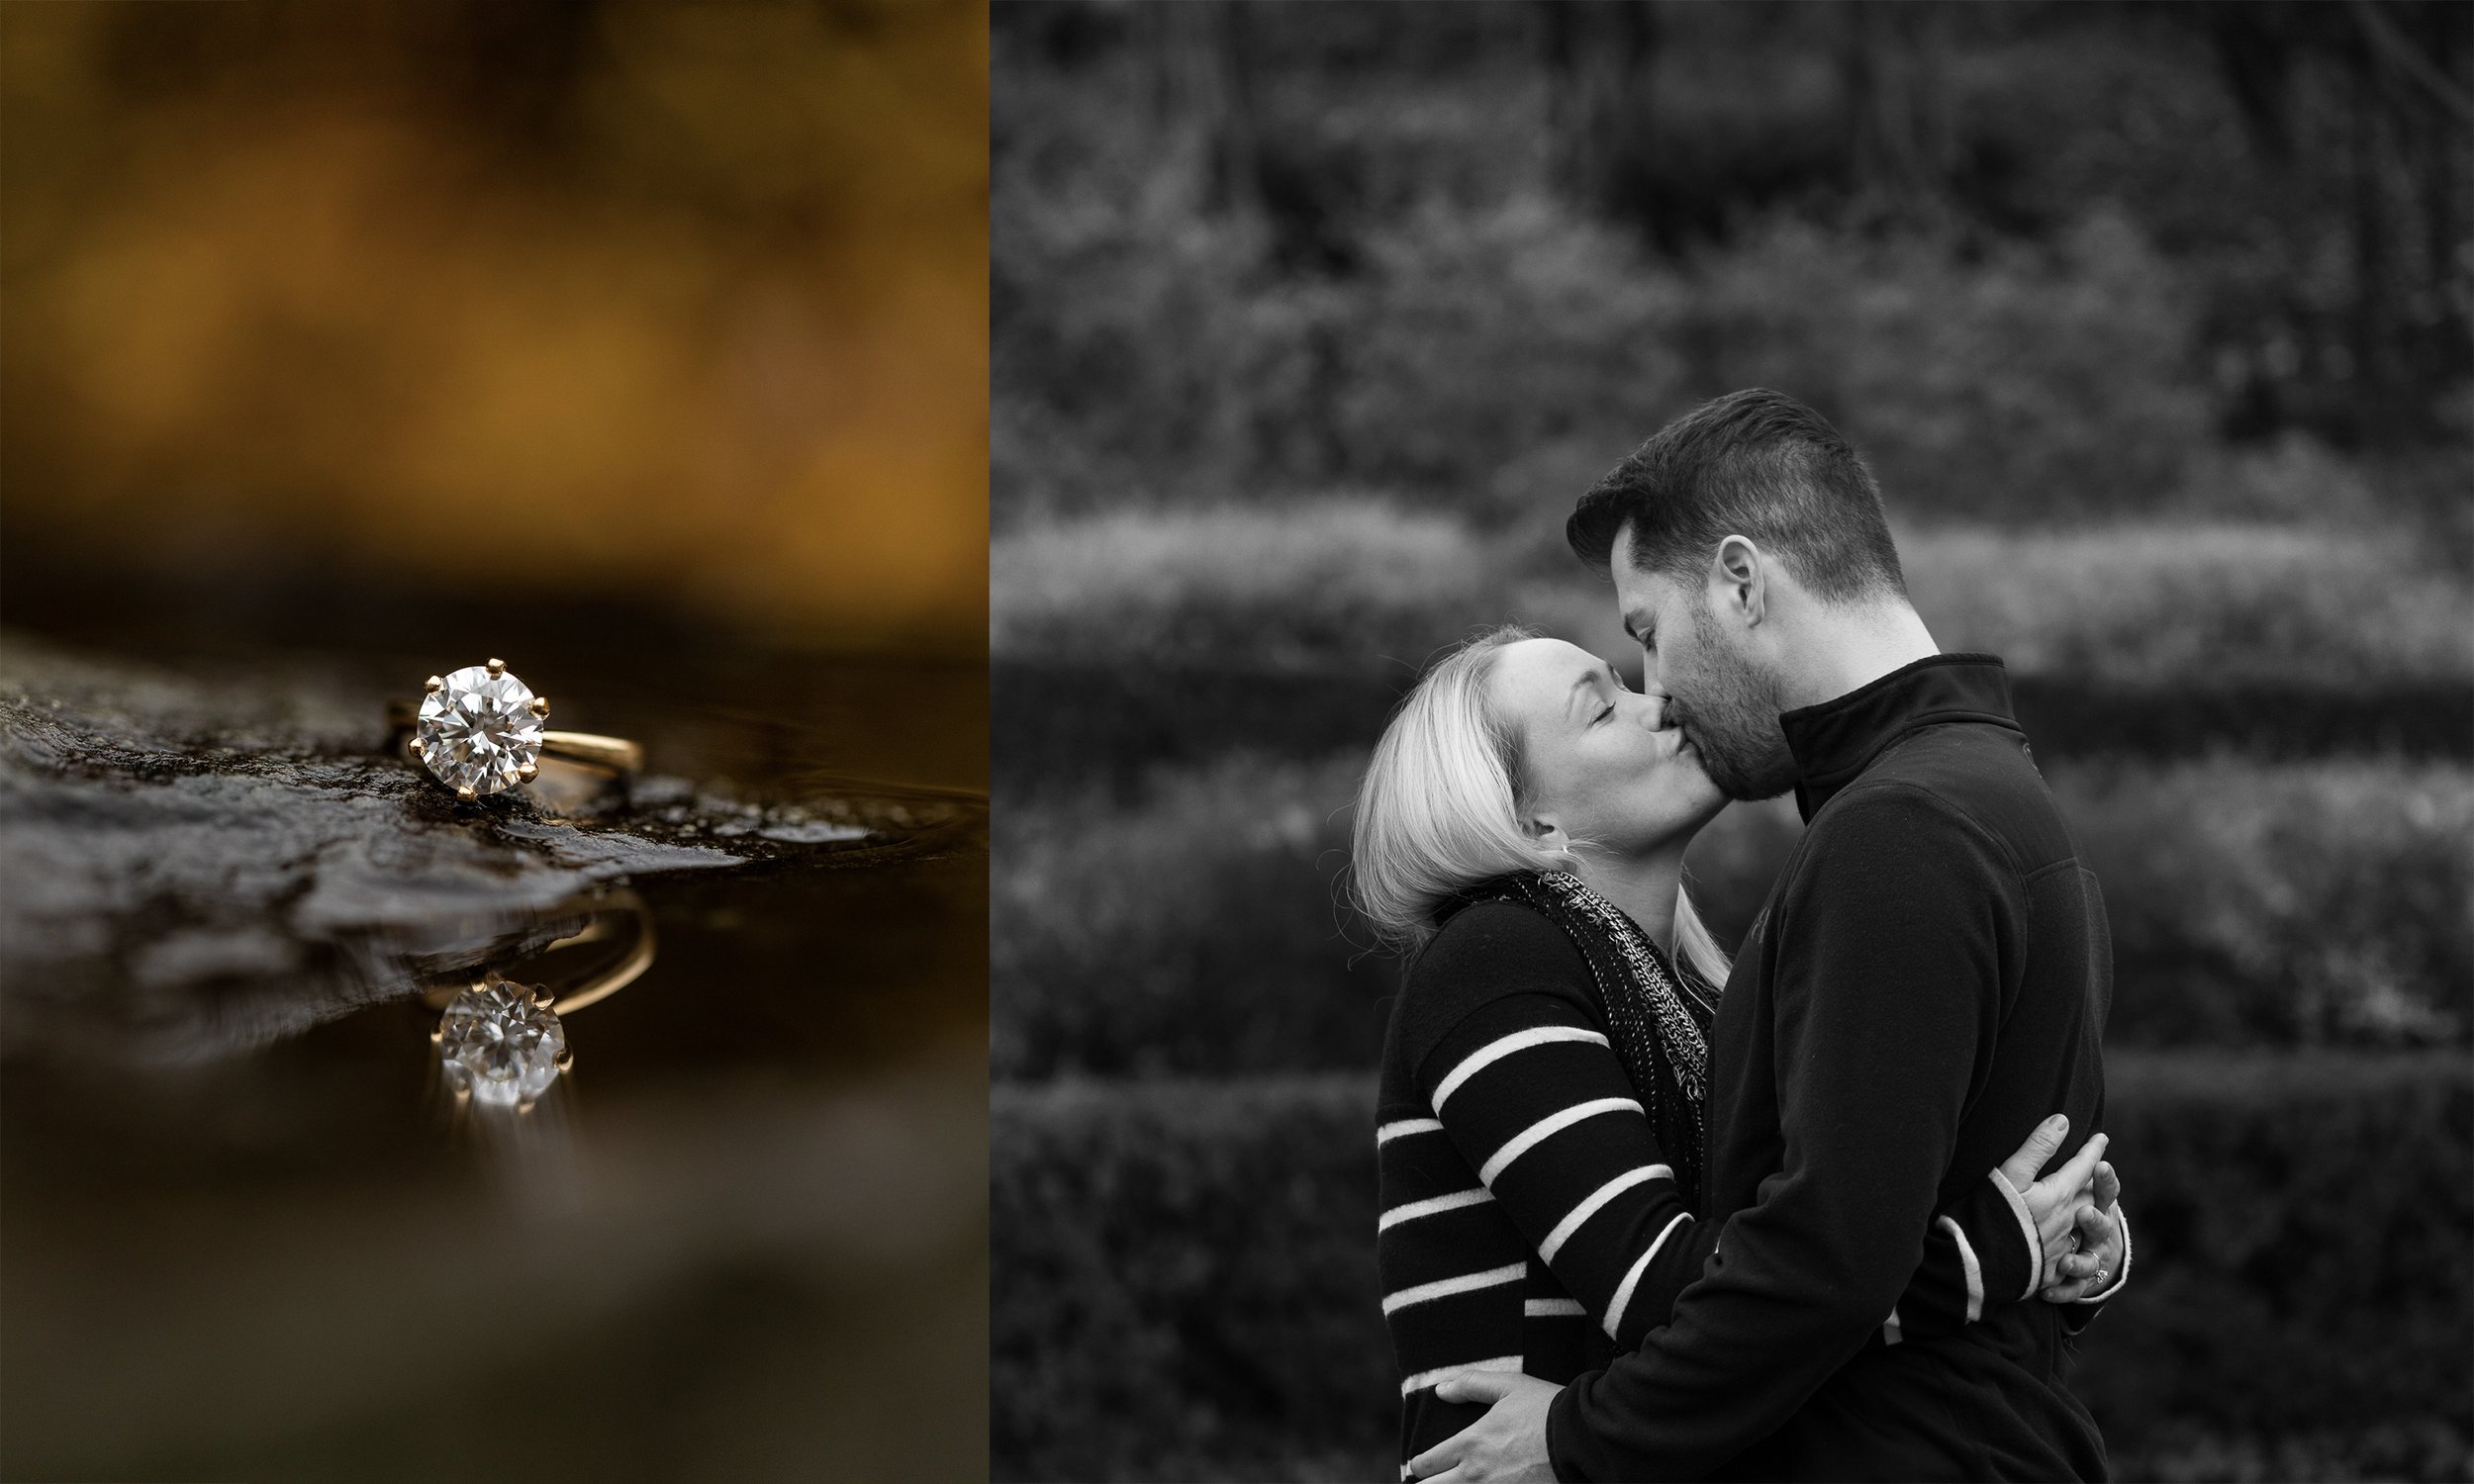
(1521, 834)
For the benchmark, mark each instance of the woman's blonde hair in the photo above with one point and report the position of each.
(1440, 809)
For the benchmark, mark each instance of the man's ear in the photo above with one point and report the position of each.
(1739, 582)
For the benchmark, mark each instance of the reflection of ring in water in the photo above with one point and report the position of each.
(502, 1042)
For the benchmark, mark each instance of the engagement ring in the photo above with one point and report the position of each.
(478, 730)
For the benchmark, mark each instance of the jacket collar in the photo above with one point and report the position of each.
(1838, 740)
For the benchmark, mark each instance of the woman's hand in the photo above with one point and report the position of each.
(2055, 1202)
(2102, 1247)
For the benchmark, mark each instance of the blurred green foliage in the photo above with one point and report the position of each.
(1184, 1278)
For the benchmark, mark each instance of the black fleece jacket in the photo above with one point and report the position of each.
(1929, 979)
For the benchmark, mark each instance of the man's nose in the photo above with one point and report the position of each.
(1656, 708)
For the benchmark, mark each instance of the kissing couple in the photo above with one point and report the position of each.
(1815, 1213)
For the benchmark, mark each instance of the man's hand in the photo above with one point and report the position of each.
(1507, 1446)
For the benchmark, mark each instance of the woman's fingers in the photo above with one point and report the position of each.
(2079, 1273)
(2108, 1185)
(2060, 1218)
(2080, 1172)
(2021, 1168)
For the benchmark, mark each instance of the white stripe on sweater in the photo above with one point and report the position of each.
(1430, 1206)
(1632, 1279)
(1446, 1287)
(1426, 1378)
(1390, 1131)
(1547, 1128)
(1889, 1328)
(1563, 1229)
(1504, 1045)
(1553, 1309)
(1975, 1274)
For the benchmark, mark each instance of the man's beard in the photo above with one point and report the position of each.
(1731, 719)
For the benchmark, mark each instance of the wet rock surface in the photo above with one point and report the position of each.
(196, 865)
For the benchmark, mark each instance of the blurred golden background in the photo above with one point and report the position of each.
(683, 304)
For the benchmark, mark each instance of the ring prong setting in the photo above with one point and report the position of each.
(528, 773)
(465, 794)
(540, 705)
(497, 668)
(434, 685)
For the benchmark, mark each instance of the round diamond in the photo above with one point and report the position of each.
(478, 731)
(499, 1044)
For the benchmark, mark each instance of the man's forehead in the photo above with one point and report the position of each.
(1640, 594)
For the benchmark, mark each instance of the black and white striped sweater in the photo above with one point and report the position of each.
(1529, 1222)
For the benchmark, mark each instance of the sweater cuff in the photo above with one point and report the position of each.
(1562, 1426)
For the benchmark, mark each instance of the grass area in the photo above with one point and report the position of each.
(1197, 929)
(1184, 1274)
(1344, 581)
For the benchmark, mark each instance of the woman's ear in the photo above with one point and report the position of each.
(1547, 835)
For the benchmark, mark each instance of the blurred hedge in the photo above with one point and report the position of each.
(2282, 904)
(1196, 932)
(1196, 928)
(1183, 1275)
(1339, 581)
(1184, 1281)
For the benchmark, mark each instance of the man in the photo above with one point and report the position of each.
(1928, 980)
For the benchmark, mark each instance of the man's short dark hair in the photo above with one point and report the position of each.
(1753, 463)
